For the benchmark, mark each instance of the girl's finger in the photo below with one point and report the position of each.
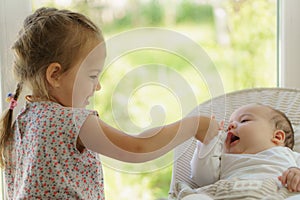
(222, 125)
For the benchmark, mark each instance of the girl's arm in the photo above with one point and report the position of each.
(98, 136)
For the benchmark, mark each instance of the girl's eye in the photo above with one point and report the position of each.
(93, 77)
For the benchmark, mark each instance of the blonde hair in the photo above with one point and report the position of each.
(48, 35)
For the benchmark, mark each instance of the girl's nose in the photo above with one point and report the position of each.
(231, 126)
(98, 86)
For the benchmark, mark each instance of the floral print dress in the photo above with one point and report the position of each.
(44, 161)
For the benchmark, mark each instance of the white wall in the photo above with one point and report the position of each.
(289, 43)
(12, 14)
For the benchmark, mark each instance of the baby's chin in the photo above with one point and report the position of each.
(227, 150)
(232, 151)
(242, 152)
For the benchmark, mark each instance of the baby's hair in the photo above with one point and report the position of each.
(48, 36)
(282, 122)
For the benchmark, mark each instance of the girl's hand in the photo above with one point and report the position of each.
(291, 179)
(214, 128)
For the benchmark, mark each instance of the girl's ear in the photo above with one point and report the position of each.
(278, 137)
(53, 73)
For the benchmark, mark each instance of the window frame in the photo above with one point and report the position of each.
(288, 43)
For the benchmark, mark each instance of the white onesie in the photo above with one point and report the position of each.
(210, 164)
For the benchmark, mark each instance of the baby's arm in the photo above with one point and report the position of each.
(291, 179)
(205, 164)
(150, 144)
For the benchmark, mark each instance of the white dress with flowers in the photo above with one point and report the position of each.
(44, 161)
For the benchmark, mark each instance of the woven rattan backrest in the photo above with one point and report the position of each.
(283, 99)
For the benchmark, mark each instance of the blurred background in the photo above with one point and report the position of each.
(239, 36)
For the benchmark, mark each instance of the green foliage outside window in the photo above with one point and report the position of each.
(239, 36)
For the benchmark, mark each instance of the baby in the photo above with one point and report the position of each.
(253, 159)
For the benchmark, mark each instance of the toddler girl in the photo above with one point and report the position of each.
(50, 150)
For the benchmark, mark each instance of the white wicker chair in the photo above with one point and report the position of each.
(284, 99)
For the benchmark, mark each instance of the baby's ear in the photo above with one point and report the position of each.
(278, 137)
(53, 73)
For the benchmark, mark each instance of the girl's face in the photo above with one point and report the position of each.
(250, 130)
(78, 84)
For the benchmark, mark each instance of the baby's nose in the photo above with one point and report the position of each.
(232, 125)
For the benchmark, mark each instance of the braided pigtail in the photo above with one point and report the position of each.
(6, 125)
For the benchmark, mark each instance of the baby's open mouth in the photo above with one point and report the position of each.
(231, 138)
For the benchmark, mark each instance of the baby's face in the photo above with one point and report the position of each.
(250, 130)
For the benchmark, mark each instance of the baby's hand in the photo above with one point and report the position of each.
(291, 179)
(214, 128)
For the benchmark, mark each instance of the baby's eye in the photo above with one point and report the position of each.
(245, 120)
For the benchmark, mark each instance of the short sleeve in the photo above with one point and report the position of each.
(80, 115)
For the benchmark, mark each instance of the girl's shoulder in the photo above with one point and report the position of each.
(49, 107)
(44, 111)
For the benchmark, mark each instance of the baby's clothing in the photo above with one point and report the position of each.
(266, 189)
(45, 163)
(270, 163)
(210, 164)
(220, 174)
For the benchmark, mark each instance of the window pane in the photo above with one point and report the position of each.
(238, 36)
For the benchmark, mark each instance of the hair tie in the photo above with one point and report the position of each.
(11, 100)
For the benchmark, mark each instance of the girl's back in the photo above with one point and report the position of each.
(46, 162)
